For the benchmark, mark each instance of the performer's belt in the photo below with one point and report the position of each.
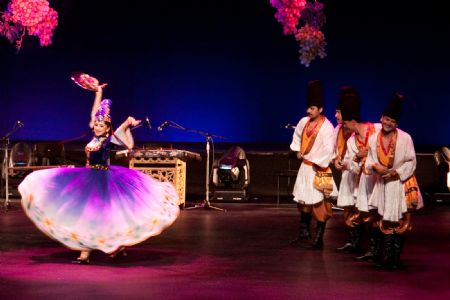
(307, 162)
(310, 163)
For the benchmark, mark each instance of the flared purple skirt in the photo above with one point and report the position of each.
(87, 209)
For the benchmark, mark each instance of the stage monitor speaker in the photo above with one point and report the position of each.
(229, 195)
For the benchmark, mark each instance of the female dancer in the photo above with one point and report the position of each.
(99, 207)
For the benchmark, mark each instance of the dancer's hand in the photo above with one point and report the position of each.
(133, 122)
(100, 87)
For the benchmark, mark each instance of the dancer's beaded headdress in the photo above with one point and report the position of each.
(103, 112)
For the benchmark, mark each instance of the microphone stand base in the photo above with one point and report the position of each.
(9, 207)
(206, 205)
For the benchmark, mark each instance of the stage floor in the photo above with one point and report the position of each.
(243, 253)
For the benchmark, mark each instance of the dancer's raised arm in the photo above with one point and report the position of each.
(96, 105)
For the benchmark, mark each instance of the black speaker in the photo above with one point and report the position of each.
(229, 195)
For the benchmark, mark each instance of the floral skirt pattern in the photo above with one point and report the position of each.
(87, 209)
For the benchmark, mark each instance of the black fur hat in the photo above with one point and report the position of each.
(345, 89)
(394, 108)
(314, 94)
(350, 104)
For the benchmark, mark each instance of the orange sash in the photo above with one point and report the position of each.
(411, 192)
(386, 156)
(323, 180)
(341, 142)
(361, 145)
(309, 136)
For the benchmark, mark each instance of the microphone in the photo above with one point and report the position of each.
(147, 121)
(289, 126)
(20, 124)
(161, 127)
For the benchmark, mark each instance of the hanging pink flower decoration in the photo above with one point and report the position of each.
(312, 44)
(311, 39)
(44, 29)
(288, 13)
(28, 12)
(313, 14)
(8, 29)
(32, 17)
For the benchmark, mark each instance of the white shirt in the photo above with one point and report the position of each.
(390, 197)
(320, 154)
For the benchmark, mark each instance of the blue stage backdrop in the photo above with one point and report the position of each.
(224, 67)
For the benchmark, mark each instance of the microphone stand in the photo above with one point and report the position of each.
(208, 136)
(146, 121)
(290, 126)
(5, 168)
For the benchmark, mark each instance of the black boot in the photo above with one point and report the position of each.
(379, 241)
(359, 234)
(349, 245)
(304, 231)
(387, 258)
(354, 243)
(318, 239)
(374, 245)
(397, 250)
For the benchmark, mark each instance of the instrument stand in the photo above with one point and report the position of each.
(5, 166)
(5, 172)
(206, 204)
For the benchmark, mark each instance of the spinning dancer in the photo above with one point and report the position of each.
(99, 207)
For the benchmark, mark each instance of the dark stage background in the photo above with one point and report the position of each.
(226, 68)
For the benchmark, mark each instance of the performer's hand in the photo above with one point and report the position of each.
(382, 170)
(299, 155)
(133, 122)
(99, 88)
(390, 176)
(362, 153)
(338, 164)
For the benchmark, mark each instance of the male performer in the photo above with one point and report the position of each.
(349, 106)
(340, 134)
(313, 142)
(393, 159)
(357, 186)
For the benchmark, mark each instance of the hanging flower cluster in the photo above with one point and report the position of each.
(311, 39)
(288, 13)
(32, 17)
(312, 44)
